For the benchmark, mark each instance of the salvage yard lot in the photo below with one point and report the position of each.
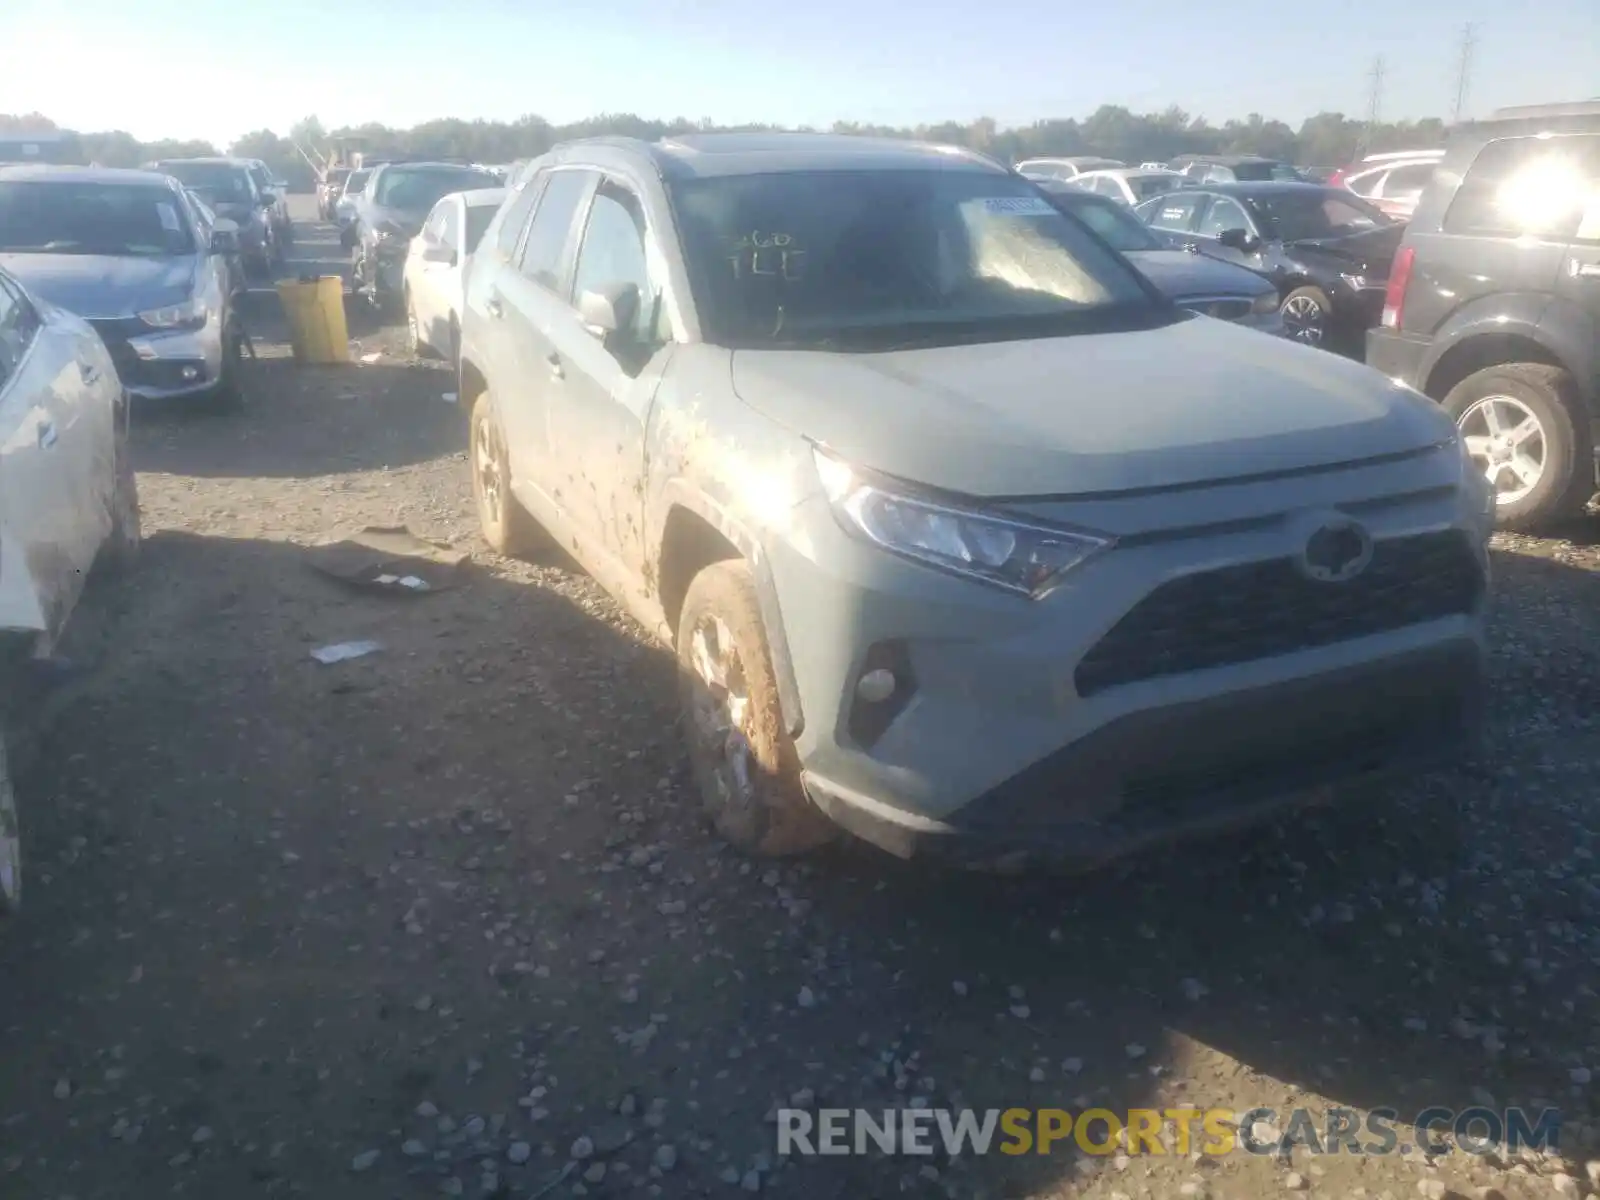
(430, 921)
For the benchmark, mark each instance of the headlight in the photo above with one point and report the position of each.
(191, 314)
(1265, 305)
(1356, 281)
(1007, 552)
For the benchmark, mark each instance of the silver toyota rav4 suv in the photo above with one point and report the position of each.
(964, 537)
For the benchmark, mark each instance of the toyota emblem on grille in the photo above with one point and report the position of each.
(1336, 551)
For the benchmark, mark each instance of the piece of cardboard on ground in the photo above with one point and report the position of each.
(389, 559)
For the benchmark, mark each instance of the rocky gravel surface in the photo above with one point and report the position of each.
(444, 919)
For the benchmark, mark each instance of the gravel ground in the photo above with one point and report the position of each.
(445, 920)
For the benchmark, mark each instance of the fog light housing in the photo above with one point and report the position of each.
(884, 686)
(877, 685)
(190, 374)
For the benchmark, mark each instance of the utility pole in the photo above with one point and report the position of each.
(1374, 100)
(1469, 40)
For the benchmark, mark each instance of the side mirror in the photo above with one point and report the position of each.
(435, 253)
(609, 309)
(1241, 240)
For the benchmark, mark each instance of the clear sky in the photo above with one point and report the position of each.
(218, 68)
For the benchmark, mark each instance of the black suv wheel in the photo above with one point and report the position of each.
(1524, 423)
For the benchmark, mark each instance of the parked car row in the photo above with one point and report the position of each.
(391, 210)
(242, 191)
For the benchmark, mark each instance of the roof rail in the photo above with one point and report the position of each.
(1523, 112)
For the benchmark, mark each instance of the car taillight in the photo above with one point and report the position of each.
(1337, 178)
(1394, 296)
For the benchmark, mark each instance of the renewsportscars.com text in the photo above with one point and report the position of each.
(1180, 1131)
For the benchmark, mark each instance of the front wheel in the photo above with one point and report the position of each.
(1524, 425)
(743, 758)
(1306, 312)
(505, 524)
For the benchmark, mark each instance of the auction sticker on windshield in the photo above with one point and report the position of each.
(1018, 206)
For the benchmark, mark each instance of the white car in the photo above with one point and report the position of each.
(68, 501)
(1129, 185)
(435, 269)
(1065, 168)
(1394, 182)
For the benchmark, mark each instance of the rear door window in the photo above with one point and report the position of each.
(515, 219)
(544, 251)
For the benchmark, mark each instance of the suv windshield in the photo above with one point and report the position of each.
(219, 183)
(804, 258)
(1120, 229)
(92, 218)
(1298, 215)
(417, 189)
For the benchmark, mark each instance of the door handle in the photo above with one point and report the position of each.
(556, 369)
(89, 372)
(494, 308)
(47, 434)
(1580, 270)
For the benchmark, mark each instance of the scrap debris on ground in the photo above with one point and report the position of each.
(444, 919)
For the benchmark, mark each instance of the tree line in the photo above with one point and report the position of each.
(1328, 139)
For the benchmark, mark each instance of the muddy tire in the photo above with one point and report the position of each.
(743, 757)
(505, 524)
(10, 840)
(120, 554)
(1505, 398)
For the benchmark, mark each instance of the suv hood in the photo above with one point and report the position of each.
(1193, 402)
(1178, 274)
(94, 285)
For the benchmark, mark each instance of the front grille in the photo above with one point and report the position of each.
(1257, 610)
(1223, 310)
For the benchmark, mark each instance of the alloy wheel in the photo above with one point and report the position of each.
(719, 713)
(1305, 320)
(1505, 438)
(487, 469)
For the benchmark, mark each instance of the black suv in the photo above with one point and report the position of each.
(1493, 303)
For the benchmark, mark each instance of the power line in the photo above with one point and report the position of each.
(1374, 100)
(1469, 41)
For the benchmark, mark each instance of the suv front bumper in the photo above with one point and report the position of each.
(1004, 742)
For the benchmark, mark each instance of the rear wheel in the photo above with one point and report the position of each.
(743, 758)
(1524, 425)
(416, 343)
